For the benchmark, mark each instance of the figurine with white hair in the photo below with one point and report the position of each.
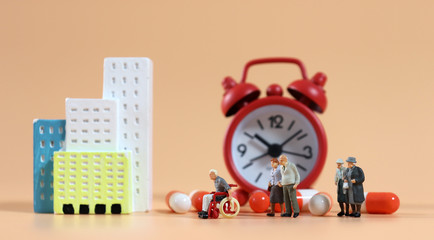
(290, 181)
(220, 186)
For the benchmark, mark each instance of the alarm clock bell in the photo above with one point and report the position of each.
(237, 95)
(309, 92)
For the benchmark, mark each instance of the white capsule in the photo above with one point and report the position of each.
(180, 202)
(320, 204)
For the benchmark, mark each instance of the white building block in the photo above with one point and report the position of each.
(130, 81)
(91, 125)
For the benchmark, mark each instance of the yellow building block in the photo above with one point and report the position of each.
(92, 182)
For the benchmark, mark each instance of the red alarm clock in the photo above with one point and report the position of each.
(267, 127)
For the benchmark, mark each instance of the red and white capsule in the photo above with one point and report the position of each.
(375, 202)
(303, 198)
(380, 203)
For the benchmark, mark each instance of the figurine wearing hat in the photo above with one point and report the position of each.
(355, 178)
(339, 181)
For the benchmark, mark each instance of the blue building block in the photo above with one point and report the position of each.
(48, 137)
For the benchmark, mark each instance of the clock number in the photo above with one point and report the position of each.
(309, 150)
(242, 148)
(307, 156)
(276, 121)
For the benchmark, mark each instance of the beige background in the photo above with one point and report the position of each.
(378, 56)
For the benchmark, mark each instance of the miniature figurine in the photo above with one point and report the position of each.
(221, 186)
(355, 177)
(275, 187)
(339, 182)
(290, 181)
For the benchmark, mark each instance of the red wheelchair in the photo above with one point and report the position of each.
(221, 204)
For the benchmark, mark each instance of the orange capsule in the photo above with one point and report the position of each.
(380, 202)
(259, 201)
(241, 195)
(196, 197)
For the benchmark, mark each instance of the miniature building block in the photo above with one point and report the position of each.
(48, 136)
(130, 81)
(91, 125)
(92, 182)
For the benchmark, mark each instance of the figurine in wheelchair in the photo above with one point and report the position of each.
(220, 201)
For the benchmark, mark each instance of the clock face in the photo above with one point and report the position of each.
(267, 132)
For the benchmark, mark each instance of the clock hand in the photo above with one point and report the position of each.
(307, 156)
(262, 140)
(290, 138)
(254, 159)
